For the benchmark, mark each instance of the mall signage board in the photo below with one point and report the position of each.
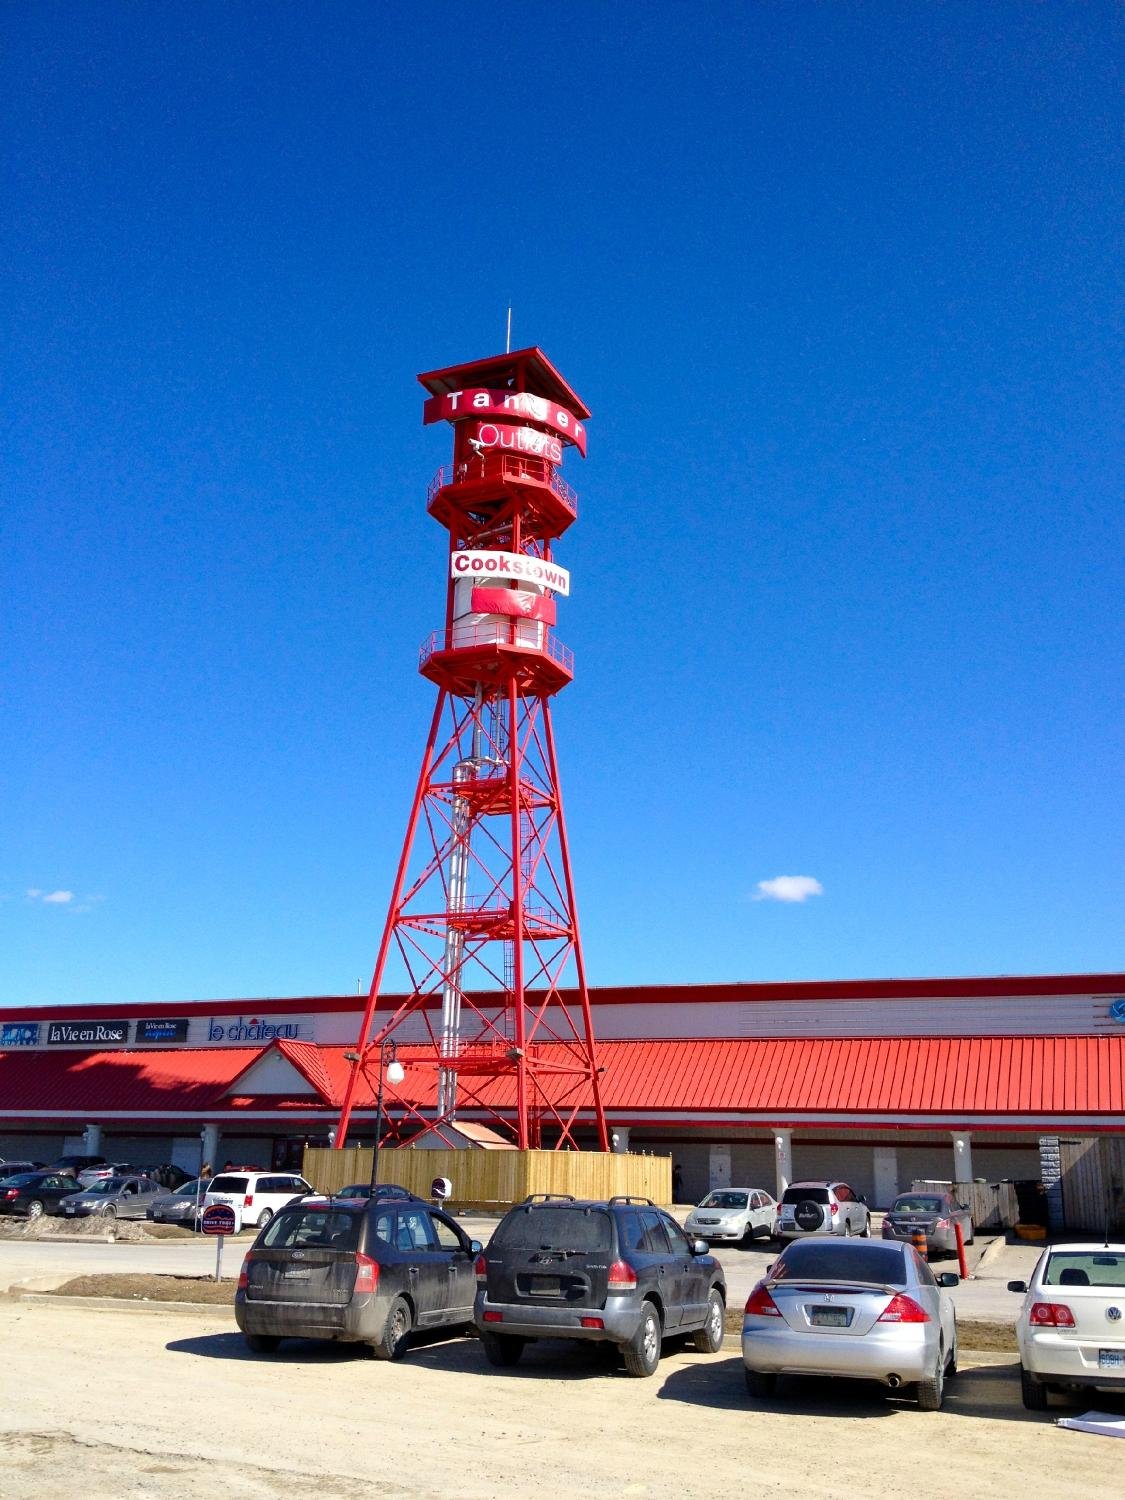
(87, 1033)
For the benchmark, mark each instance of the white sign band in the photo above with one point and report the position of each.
(478, 564)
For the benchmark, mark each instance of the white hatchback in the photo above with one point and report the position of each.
(1071, 1327)
(255, 1196)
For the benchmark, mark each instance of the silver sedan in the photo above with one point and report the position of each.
(935, 1214)
(862, 1311)
(112, 1198)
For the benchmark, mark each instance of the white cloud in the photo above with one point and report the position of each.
(50, 898)
(788, 888)
(34, 893)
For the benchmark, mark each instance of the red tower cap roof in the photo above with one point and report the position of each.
(521, 370)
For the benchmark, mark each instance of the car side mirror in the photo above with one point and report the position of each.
(949, 1278)
(475, 1247)
(1017, 1286)
(700, 1247)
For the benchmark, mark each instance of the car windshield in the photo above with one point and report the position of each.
(842, 1260)
(107, 1185)
(916, 1204)
(227, 1185)
(805, 1195)
(1085, 1268)
(189, 1190)
(21, 1179)
(550, 1227)
(724, 1200)
(313, 1228)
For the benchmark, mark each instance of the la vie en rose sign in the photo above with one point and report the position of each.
(457, 406)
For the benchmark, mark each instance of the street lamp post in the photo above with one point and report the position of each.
(392, 1069)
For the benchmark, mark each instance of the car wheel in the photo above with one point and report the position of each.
(262, 1343)
(865, 1232)
(501, 1348)
(392, 1342)
(264, 1217)
(759, 1384)
(931, 1391)
(847, 1229)
(951, 1366)
(709, 1338)
(35, 1209)
(1034, 1395)
(642, 1353)
(109, 1212)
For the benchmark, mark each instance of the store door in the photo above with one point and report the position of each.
(720, 1167)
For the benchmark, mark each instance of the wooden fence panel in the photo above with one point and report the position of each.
(496, 1179)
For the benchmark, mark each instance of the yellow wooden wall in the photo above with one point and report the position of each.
(496, 1179)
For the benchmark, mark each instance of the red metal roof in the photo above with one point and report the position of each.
(861, 1079)
(822, 990)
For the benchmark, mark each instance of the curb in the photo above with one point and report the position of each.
(991, 1252)
(125, 1304)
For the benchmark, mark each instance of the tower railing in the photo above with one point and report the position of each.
(511, 467)
(526, 635)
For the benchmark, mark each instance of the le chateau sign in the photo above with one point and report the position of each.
(456, 406)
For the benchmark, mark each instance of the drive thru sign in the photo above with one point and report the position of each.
(219, 1219)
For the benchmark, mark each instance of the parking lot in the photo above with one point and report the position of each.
(155, 1403)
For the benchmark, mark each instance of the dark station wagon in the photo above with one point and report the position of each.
(356, 1271)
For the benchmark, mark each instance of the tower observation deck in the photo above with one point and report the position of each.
(482, 915)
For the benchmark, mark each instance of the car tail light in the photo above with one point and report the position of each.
(941, 1224)
(1051, 1315)
(480, 1267)
(591, 1322)
(903, 1309)
(12, 1193)
(494, 1317)
(835, 1208)
(244, 1274)
(248, 1200)
(761, 1303)
(621, 1278)
(366, 1273)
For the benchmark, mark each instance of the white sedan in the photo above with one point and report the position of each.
(733, 1214)
(1071, 1327)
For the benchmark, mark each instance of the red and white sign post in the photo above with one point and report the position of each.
(219, 1219)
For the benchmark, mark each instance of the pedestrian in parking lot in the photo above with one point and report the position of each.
(206, 1171)
(677, 1181)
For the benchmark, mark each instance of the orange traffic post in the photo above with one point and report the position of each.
(962, 1263)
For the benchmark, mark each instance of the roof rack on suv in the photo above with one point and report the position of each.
(550, 1198)
(627, 1198)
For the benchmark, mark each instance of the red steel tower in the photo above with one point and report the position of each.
(482, 913)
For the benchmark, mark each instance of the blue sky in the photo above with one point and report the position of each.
(838, 284)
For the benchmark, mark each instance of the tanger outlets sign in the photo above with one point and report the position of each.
(258, 1029)
(485, 437)
(456, 406)
(87, 1033)
(162, 1030)
(480, 565)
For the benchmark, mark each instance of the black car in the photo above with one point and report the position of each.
(620, 1271)
(356, 1271)
(32, 1194)
(72, 1165)
(15, 1168)
(383, 1192)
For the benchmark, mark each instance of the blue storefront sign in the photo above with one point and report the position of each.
(162, 1030)
(19, 1034)
(1117, 1009)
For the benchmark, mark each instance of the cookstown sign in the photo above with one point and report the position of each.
(480, 565)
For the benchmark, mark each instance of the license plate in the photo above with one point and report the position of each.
(296, 1275)
(829, 1317)
(1111, 1359)
(68, 1211)
(546, 1284)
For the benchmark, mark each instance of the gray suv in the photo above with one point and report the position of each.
(357, 1271)
(620, 1271)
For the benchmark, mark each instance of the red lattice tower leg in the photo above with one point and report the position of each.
(482, 920)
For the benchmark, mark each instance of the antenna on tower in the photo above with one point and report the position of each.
(508, 340)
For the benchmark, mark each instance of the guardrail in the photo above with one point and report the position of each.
(501, 632)
(507, 466)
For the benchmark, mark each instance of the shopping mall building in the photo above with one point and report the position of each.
(877, 1082)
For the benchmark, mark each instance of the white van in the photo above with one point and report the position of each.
(255, 1196)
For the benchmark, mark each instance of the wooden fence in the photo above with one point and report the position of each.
(495, 1179)
(994, 1204)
